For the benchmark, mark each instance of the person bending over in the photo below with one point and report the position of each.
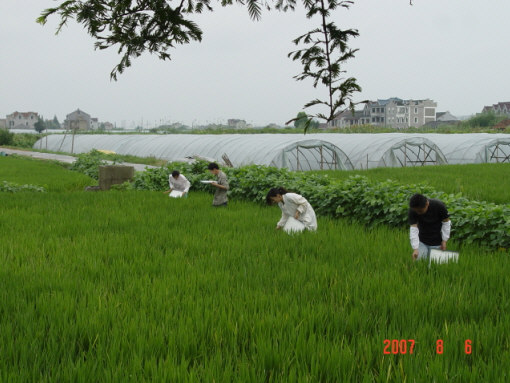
(430, 225)
(178, 182)
(294, 206)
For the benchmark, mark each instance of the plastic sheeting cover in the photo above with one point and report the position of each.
(302, 152)
(294, 151)
(474, 148)
(387, 149)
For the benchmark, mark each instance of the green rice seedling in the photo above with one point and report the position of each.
(134, 286)
(483, 182)
(49, 175)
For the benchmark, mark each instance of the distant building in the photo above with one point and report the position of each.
(22, 120)
(107, 125)
(443, 118)
(446, 117)
(393, 112)
(94, 123)
(235, 123)
(502, 108)
(347, 118)
(79, 120)
(3, 123)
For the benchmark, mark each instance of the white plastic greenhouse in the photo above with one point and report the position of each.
(298, 151)
(368, 151)
(292, 151)
(473, 148)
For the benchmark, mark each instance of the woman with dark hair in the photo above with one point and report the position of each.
(297, 213)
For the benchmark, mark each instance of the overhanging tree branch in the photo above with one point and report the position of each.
(155, 26)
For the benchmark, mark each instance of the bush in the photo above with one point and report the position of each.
(6, 137)
(484, 120)
(88, 164)
(26, 140)
(157, 178)
(357, 198)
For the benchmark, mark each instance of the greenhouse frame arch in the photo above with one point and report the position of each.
(292, 151)
(368, 151)
(474, 148)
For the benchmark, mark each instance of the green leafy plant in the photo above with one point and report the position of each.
(11, 187)
(122, 187)
(6, 137)
(26, 140)
(484, 120)
(88, 164)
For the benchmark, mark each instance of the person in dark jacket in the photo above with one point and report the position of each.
(430, 225)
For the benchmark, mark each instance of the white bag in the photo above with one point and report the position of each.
(293, 226)
(176, 194)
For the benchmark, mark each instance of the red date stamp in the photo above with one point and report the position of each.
(406, 346)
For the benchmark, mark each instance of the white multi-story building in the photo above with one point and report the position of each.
(392, 112)
(22, 120)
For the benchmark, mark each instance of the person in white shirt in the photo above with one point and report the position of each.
(293, 206)
(178, 182)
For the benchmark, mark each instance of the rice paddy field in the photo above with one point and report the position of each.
(483, 182)
(131, 286)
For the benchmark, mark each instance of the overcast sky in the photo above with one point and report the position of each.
(452, 51)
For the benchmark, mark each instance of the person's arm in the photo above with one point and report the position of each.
(222, 183)
(414, 232)
(415, 239)
(219, 186)
(281, 223)
(446, 227)
(170, 184)
(187, 185)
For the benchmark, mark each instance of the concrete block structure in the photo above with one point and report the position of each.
(114, 174)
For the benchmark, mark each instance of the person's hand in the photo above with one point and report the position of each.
(296, 215)
(415, 254)
(214, 184)
(443, 245)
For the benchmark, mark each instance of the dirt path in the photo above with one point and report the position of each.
(64, 158)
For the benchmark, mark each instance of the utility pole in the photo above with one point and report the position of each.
(74, 132)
